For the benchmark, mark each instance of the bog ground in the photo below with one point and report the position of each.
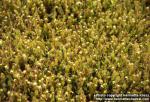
(69, 50)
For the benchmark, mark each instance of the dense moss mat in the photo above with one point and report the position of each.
(69, 50)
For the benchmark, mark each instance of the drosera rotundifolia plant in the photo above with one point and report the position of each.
(69, 50)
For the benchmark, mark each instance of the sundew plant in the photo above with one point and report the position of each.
(70, 50)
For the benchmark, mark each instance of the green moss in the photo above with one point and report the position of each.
(69, 50)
